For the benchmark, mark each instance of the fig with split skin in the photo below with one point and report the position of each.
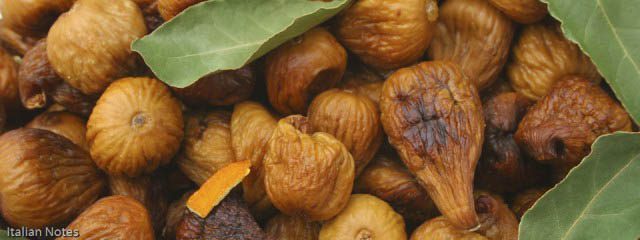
(283, 227)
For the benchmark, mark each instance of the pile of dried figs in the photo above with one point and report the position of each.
(411, 119)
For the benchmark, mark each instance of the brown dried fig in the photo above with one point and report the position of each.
(46, 180)
(148, 190)
(89, 46)
(441, 229)
(522, 11)
(542, 56)
(302, 68)
(15, 43)
(151, 13)
(177, 210)
(8, 81)
(393, 183)
(170, 8)
(207, 145)
(308, 176)
(525, 200)
(365, 217)
(3, 118)
(64, 124)
(388, 34)
(283, 227)
(560, 128)
(32, 17)
(135, 127)
(114, 217)
(220, 89)
(351, 118)
(433, 117)
(476, 36)
(497, 222)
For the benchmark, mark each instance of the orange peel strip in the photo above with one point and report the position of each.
(217, 187)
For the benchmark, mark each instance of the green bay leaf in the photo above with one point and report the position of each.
(599, 199)
(222, 35)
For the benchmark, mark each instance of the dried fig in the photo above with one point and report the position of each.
(364, 217)
(135, 127)
(351, 118)
(308, 176)
(151, 13)
(525, 200)
(363, 80)
(207, 145)
(32, 17)
(175, 213)
(89, 46)
(560, 128)
(369, 90)
(148, 190)
(46, 180)
(114, 217)
(441, 229)
(3, 118)
(220, 89)
(476, 36)
(542, 56)
(522, 11)
(496, 219)
(302, 68)
(388, 34)
(283, 227)
(64, 124)
(16, 44)
(8, 81)
(170, 8)
(392, 182)
(433, 117)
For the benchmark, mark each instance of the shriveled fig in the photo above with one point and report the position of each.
(497, 221)
(525, 200)
(114, 217)
(170, 8)
(433, 116)
(135, 127)
(351, 118)
(441, 229)
(89, 46)
(522, 11)
(476, 36)
(365, 217)
(64, 124)
(8, 80)
(207, 145)
(46, 180)
(302, 68)
(560, 128)
(148, 190)
(363, 80)
(151, 13)
(388, 34)
(308, 176)
(542, 56)
(13, 42)
(220, 89)
(177, 210)
(283, 227)
(32, 17)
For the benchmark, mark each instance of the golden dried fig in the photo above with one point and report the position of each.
(308, 176)
(64, 124)
(560, 128)
(351, 118)
(365, 217)
(148, 190)
(542, 56)
(114, 217)
(207, 145)
(135, 127)
(283, 227)
(525, 200)
(393, 183)
(388, 34)
(170, 8)
(497, 222)
(32, 17)
(175, 213)
(302, 68)
(8, 81)
(220, 89)
(441, 229)
(522, 11)
(476, 36)
(46, 180)
(89, 46)
(433, 117)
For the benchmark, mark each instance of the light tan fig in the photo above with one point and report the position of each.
(433, 117)
(64, 124)
(441, 229)
(32, 17)
(522, 11)
(308, 176)
(497, 221)
(302, 68)
(352, 118)
(476, 36)
(8, 81)
(283, 227)
(89, 46)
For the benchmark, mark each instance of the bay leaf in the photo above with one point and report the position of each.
(219, 35)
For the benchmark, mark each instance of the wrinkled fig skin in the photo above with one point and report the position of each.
(8, 81)
(522, 11)
(148, 190)
(433, 117)
(351, 118)
(175, 213)
(308, 176)
(207, 145)
(283, 227)
(365, 217)
(542, 56)
(64, 124)
(441, 229)
(388, 34)
(228, 220)
(89, 46)
(393, 183)
(525, 200)
(114, 217)
(32, 17)
(560, 128)
(170, 8)
(220, 89)
(302, 68)
(497, 221)
(15, 43)
(46, 180)
(151, 13)
(503, 167)
(476, 36)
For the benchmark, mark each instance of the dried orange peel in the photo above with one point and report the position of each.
(217, 187)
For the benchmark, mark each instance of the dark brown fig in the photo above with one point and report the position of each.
(220, 89)
(177, 210)
(64, 124)
(525, 200)
(3, 118)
